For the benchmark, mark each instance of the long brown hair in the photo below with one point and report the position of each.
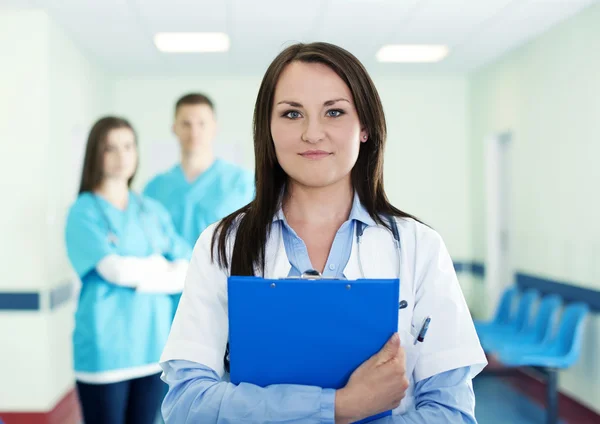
(93, 163)
(252, 223)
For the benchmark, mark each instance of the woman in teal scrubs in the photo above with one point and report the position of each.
(130, 261)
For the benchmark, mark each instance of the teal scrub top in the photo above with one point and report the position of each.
(117, 327)
(220, 190)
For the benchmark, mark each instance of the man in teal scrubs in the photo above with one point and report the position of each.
(201, 189)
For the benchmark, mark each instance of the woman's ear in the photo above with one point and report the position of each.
(364, 136)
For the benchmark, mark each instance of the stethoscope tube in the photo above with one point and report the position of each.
(112, 235)
(360, 229)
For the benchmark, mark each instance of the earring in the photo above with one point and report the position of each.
(364, 137)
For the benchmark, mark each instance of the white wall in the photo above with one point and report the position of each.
(50, 95)
(23, 142)
(426, 159)
(79, 94)
(548, 94)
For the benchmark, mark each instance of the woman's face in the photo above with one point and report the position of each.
(120, 154)
(314, 125)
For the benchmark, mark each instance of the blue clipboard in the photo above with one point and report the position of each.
(307, 331)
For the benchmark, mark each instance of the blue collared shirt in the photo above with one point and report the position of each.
(297, 253)
(197, 394)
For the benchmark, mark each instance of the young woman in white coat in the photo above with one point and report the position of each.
(319, 138)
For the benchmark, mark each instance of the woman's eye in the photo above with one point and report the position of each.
(292, 114)
(334, 113)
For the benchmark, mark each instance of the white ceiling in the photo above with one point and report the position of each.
(118, 33)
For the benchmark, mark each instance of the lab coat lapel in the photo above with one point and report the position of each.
(352, 270)
(277, 264)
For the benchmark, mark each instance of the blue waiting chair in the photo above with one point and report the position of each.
(516, 325)
(560, 352)
(536, 332)
(503, 313)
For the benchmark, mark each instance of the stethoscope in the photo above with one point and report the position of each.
(111, 234)
(359, 230)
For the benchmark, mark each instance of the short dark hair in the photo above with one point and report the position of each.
(93, 163)
(194, 99)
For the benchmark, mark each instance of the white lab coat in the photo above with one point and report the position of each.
(428, 283)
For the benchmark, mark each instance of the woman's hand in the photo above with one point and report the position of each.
(378, 385)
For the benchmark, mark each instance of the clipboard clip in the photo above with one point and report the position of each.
(312, 274)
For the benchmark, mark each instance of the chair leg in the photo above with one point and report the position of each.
(552, 396)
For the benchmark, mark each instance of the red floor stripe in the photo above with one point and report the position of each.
(65, 412)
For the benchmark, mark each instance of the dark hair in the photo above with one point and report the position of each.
(253, 221)
(93, 163)
(194, 99)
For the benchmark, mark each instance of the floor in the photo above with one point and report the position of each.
(500, 403)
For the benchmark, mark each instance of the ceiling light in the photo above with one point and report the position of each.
(191, 42)
(411, 53)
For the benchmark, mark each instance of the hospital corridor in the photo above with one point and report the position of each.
(324, 211)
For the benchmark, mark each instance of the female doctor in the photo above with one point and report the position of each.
(129, 259)
(319, 137)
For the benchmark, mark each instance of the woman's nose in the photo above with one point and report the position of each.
(313, 131)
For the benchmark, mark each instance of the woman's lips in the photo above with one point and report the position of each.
(315, 154)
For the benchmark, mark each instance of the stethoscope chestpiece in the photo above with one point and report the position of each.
(112, 238)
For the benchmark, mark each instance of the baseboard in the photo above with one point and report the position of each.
(66, 411)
